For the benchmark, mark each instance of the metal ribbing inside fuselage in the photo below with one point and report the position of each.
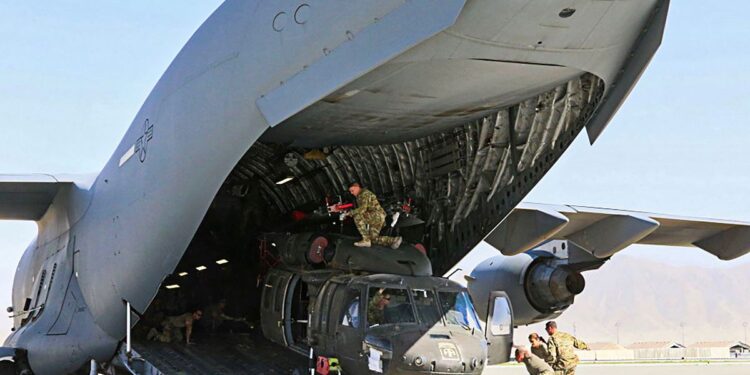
(464, 180)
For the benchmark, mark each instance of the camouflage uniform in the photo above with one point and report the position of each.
(171, 328)
(541, 352)
(562, 356)
(375, 315)
(370, 218)
(537, 366)
(376, 308)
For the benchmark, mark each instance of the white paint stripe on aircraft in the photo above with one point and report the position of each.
(127, 155)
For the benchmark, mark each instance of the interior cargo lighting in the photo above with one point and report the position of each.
(173, 286)
(200, 268)
(222, 261)
(285, 180)
(182, 274)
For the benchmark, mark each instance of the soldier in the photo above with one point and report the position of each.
(561, 347)
(539, 346)
(172, 328)
(376, 308)
(218, 319)
(370, 218)
(534, 364)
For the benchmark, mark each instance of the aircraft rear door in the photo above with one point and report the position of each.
(499, 328)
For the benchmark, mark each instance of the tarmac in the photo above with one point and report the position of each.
(681, 368)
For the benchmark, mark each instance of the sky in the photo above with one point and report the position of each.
(73, 74)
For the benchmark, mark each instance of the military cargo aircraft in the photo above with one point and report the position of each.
(450, 111)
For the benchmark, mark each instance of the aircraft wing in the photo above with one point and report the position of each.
(27, 197)
(603, 232)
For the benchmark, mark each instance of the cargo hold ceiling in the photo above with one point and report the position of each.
(465, 178)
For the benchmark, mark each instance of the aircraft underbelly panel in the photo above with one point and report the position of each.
(378, 42)
(405, 101)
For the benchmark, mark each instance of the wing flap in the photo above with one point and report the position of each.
(728, 244)
(26, 197)
(674, 232)
(603, 232)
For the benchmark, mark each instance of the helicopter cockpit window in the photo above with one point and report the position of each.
(426, 304)
(351, 313)
(459, 310)
(389, 306)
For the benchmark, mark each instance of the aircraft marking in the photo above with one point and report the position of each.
(140, 146)
(127, 155)
(142, 142)
(448, 351)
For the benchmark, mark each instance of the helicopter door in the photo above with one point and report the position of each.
(499, 328)
(296, 314)
(347, 314)
(273, 304)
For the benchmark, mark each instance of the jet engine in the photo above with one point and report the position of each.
(540, 285)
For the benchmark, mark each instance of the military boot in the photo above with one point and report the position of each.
(397, 242)
(363, 243)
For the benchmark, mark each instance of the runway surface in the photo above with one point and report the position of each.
(711, 368)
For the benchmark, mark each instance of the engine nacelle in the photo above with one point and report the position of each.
(540, 285)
